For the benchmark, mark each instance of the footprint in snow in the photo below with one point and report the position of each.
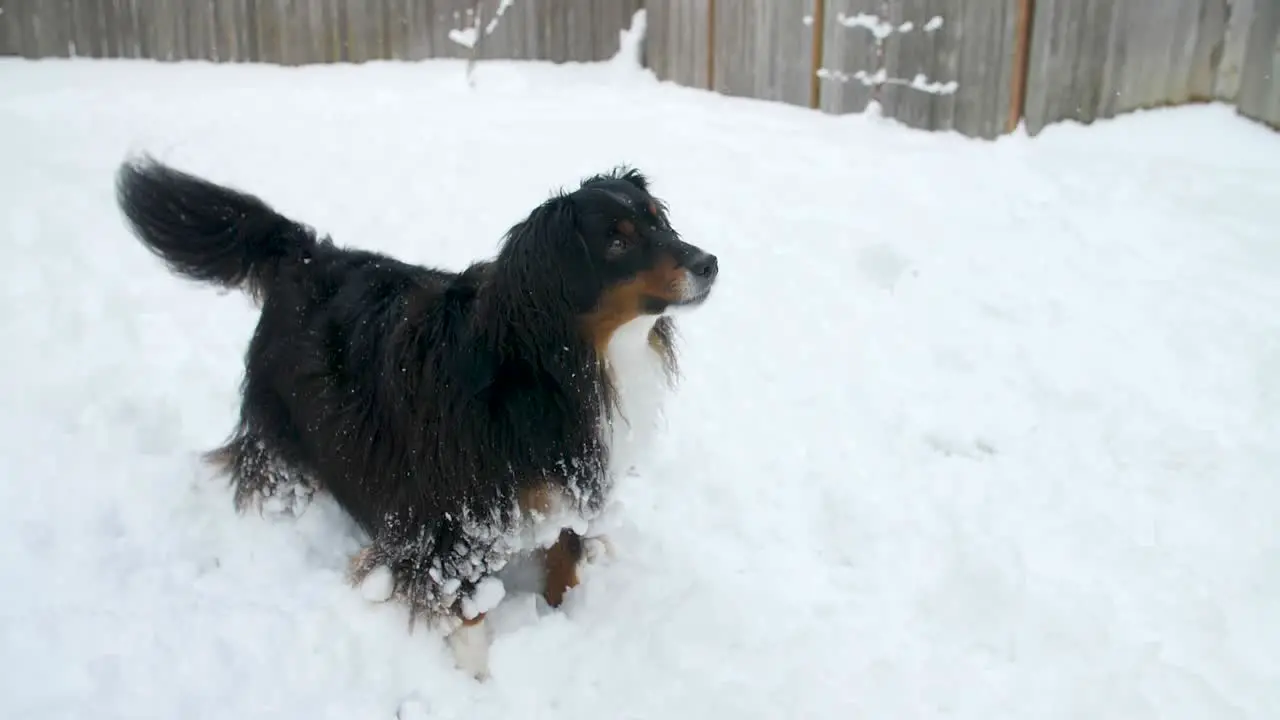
(976, 449)
(882, 265)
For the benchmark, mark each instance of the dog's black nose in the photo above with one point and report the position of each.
(705, 266)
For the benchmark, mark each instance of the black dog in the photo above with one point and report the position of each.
(451, 414)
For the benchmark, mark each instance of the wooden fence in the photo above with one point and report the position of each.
(299, 32)
(974, 66)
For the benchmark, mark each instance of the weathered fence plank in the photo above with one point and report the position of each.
(516, 34)
(14, 35)
(949, 64)
(764, 49)
(418, 20)
(268, 31)
(230, 21)
(128, 28)
(560, 23)
(200, 30)
(608, 21)
(1259, 96)
(921, 69)
(852, 53)
(678, 40)
(87, 34)
(931, 64)
(396, 28)
(45, 27)
(495, 30)
(286, 32)
(363, 25)
(448, 16)
(1064, 70)
(158, 29)
(107, 22)
(10, 34)
(1226, 81)
(1203, 58)
(1093, 59)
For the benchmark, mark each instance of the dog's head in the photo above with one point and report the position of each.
(608, 250)
(642, 265)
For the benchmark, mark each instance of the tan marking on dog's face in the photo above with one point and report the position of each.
(625, 301)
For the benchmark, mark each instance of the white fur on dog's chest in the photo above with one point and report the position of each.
(639, 384)
(639, 381)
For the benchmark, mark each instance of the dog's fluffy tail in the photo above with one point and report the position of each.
(205, 231)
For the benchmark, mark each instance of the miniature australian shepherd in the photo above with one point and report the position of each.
(459, 418)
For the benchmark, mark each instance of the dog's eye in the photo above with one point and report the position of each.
(621, 237)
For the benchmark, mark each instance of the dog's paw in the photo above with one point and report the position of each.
(282, 502)
(470, 646)
(598, 548)
(379, 585)
(287, 506)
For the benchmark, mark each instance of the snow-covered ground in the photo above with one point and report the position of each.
(969, 430)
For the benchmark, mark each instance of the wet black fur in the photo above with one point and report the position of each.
(415, 396)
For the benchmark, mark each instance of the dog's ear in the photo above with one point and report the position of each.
(526, 330)
(545, 264)
(543, 280)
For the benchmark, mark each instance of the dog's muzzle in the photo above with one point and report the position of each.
(700, 269)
